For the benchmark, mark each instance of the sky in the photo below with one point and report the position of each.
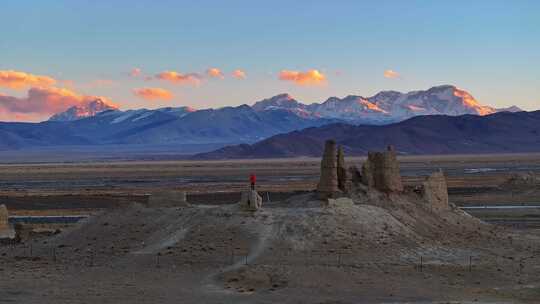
(203, 54)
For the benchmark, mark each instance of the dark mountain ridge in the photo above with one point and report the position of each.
(502, 132)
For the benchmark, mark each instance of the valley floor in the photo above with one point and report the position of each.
(213, 253)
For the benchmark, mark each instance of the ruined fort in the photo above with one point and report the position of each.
(380, 173)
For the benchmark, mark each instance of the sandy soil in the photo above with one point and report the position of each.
(284, 253)
(293, 251)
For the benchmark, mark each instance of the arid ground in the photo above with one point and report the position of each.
(286, 253)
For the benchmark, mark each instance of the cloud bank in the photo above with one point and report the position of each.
(41, 103)
(153, 94)
(308, 78)
(215, 73)
(178, 78)
(239, 74)
(391, 74)
(20, 80)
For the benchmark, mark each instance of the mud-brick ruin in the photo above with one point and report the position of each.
(328, 184)
(250, 201)
(4, 223)
(380, 172)
(435, 191)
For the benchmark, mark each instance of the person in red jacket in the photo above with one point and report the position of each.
(252, 180)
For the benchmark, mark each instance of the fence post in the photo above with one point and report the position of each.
(421, 263)
(157, 260)
(470, 263)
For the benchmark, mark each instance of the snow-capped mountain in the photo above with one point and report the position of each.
(386, 106)
(99, 123)
(83, 111)
(382, 108)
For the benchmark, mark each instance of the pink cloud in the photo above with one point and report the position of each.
(215, 73)
(178, 78)
(239, 74)
(391, 74)
(153, 93)
(308, 78)
(40, 103)
(135, 72)
(19, 80)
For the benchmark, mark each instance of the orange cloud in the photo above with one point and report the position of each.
(135, 72)
(19, 80)
(391, 74)
(153, 94)
(308, 78)
(178, 78)
(214, 73)
(40, 103)
(239, 74)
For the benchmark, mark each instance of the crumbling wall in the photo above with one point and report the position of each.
(4, 218)
(250, 201)
(328, 183)
(435, 192)
(381, 171)
(168, 199)
(338, 202)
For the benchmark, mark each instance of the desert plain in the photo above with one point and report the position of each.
(290, 251)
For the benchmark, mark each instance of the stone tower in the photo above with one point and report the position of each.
(341, 170)
(381, 171)
(4, 217)
(328, 184)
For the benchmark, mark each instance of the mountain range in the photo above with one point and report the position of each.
(386, 106)
(503, 132)
(98, 123)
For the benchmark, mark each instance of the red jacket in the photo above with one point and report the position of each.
(252, 178)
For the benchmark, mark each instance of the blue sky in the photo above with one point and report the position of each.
(489, 48)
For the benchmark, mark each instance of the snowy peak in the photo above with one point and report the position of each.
(512, 109)
(350, 108)
(85, 110)
(281, 101)
(444, 100)
(382, 108)
(385, 106)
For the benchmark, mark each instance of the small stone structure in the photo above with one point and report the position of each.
(22, 232)
(328, 184)
(4, 218)
(338, 202)
(168, 199)
(341, 170)
(435, 192)
(381, 171)
(250, 201)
